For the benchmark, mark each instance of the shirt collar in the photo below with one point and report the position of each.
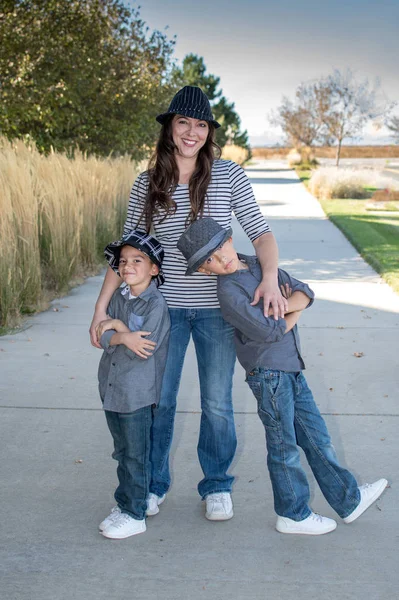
(146, 295)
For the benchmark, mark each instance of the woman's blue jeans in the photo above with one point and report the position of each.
(291, 418)
(214, 345)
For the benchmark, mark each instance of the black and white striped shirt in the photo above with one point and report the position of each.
(229, 190)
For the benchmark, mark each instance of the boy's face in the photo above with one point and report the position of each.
(222, 262)
(135, 268)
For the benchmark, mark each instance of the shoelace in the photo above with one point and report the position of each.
(218, 498)
(124, 518)
(316, 517)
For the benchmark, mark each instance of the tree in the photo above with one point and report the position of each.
(328, 111)
(301, 120)
(393, 125)
(350, 104)
(84, 73)
(193, 72)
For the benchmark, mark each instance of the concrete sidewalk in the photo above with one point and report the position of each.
(58, 477)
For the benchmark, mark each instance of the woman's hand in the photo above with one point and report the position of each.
(137, 343)
(99, 316)
(268, 290)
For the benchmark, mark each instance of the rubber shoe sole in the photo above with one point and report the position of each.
(369, 493)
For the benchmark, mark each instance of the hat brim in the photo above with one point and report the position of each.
(187, 113)
(205, 252)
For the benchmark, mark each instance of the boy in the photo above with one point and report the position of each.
(130, 381)
(269, 351)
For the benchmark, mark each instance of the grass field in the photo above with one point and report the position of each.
(374, 233)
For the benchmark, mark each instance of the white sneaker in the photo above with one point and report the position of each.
(114, 514)
(369, 493)
(153, 502)
(219, 506)
(123, 527)
(314, 524)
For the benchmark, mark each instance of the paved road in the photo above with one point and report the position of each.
(58, 477)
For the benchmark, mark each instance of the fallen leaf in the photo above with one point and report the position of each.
(56, 310)
(29, 340)
(385, 395)
(340, 327)
(78, 461)
(64, 306)
(47, 354)
(2, 350)
(382, 439)
(321, 354)
(331, 389)
(72, 378)
(358, 354)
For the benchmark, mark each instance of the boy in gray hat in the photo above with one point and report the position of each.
(130, 381)
(269, 350)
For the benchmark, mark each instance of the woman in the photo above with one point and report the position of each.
(187, 180)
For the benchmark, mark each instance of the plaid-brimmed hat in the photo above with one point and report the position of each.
(144, 242)
(200, 240)
(191, 102)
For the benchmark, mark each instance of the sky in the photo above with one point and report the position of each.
(262, 50)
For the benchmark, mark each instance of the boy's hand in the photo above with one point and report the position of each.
(108, 324)
(286, 291)
(137, 343)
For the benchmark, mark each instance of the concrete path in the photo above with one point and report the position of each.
(58, 478)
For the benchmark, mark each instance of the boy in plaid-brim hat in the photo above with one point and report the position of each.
(135, 342)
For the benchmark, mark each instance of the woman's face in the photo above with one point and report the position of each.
(189, 135)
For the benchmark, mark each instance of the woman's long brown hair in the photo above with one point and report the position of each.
(163, 175)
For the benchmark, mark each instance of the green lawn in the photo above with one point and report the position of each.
(374, 233)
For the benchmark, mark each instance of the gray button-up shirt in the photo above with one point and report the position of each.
(126, 381)
(260, 341)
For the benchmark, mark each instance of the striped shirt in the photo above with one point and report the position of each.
(229, 190)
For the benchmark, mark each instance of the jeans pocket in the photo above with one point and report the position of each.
(273, 380)
(255, 387)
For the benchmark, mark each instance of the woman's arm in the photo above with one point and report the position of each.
(249, 215)
(267, 253)
(111, 282)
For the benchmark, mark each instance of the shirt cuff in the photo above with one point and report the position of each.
(105, 341)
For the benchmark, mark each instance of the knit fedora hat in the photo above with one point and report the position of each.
(190, 101)
(200, 240)
(144, 242)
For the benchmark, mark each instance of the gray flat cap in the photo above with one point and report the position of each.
(200, 240)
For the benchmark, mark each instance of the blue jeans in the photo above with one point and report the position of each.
(214, 346)
(291, 418)
(132, 439)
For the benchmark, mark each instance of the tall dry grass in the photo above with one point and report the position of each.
(235, 153)
(56, 216)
